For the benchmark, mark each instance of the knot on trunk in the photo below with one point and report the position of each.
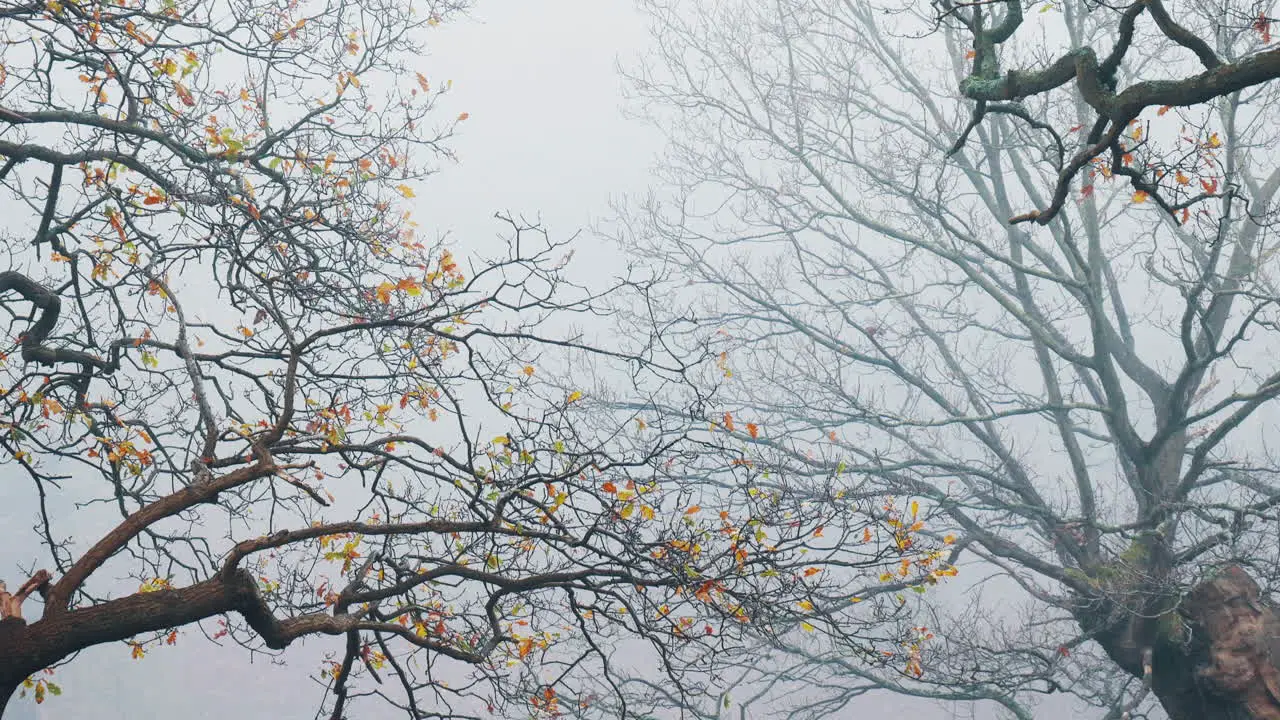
(1240, 637)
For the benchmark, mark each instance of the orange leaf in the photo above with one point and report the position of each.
(1140, 196)
(184, 94)
(753, 430)
(693, 509)
(463, 116)
(728, 422)
(609, 487)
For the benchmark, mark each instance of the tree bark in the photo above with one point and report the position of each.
(1217, 657)
(27, 648)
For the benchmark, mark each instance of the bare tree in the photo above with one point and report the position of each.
(237, 378)
(1085, 404)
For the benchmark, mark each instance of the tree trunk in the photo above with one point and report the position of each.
(7, 690)
(1217, 657)
(27, 648)
(11, 629)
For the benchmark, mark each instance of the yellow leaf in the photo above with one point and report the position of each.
(405, 190)
(574, 396)
(627, 510)
(1140, 196)
(806, 627)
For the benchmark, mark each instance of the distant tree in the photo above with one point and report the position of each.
(1087, 403)
(238, 377)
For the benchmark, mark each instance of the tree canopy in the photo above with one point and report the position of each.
(245, 392)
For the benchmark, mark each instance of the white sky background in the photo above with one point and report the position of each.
(546, 139)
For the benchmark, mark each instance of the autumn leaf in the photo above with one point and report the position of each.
(422, 82)
(463, 116)
(405, 190)
(753, 430)
(528, 371)
(409, 287)
(574, 396)
(184, 94)
(1140, 196)
(693, 509)
(1263, 26)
